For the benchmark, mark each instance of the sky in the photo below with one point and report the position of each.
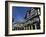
(18, 13)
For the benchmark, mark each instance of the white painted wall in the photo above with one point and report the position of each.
(2, 18)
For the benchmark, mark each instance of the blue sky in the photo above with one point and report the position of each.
(18, 13)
